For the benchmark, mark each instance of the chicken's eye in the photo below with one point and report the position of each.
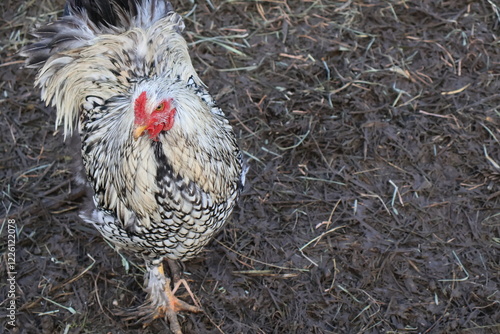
(160, 107)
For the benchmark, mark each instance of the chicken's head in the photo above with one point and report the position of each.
(152, 117)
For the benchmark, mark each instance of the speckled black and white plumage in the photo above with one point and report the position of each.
(166, 197)
(159, 197)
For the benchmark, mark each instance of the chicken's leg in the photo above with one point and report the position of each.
(169, 305)
(162, 302)
(175, 273)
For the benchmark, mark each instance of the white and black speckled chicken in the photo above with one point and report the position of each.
(159, 155)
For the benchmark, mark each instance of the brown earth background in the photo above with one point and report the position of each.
(372, 204)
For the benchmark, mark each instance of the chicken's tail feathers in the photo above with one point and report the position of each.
(106, 15)
(84, 20)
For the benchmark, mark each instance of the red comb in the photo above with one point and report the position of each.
(140, 108)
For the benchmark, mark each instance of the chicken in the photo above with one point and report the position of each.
(159, 155)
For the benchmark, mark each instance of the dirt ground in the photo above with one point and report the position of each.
(373, 199)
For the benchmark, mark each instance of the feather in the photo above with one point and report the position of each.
(84, 20)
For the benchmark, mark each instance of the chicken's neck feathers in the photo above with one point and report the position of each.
(110, 66)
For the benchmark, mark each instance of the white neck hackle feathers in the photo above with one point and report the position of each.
(69, 76)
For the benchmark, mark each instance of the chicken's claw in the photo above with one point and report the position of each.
(162, 302)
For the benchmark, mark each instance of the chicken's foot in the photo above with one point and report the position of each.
(163, 299)
(162, 302)
(175, 305)
(175, 273)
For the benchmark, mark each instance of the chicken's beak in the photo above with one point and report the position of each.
(139, 131)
